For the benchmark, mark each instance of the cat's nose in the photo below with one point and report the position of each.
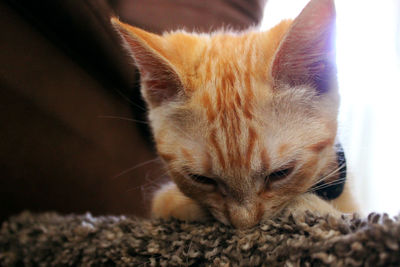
(245, 215)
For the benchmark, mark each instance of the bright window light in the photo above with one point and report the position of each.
(369, 80)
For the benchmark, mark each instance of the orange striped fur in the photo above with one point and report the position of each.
(217, 111)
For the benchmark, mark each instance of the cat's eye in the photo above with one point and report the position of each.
(202, 179)
(279, 175)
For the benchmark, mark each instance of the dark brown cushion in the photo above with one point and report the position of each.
(63, 76)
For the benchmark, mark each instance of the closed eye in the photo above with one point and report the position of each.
(279, 175)
(202, 179)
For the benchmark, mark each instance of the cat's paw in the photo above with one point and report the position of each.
(311, 202)
(169, 201)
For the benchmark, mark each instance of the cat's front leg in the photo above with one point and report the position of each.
(311, 202)
(169, 202)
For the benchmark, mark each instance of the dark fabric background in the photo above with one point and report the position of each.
(62, 73)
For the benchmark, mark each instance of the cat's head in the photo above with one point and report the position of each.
(244, 121)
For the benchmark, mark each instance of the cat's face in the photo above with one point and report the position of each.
(244, 122)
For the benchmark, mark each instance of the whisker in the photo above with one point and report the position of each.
(336, 182)
(335, 171)
(129, 100)
(121, 118)
(149, 182)
(151, 186)
(323, 187)
(327, 176)
(329, 183)
(134, 167)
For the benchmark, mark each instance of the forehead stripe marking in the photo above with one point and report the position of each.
(250, 148)
(214, 142)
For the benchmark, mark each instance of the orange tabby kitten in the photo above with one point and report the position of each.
(245, 122)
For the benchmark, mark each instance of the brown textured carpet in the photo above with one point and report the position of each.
(311, 240)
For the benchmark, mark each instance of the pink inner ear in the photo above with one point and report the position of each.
(161, 81)
(307, 52)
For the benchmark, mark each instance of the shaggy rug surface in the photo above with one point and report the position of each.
(50, 239)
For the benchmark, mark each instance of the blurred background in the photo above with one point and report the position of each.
(69, 93)
(368, 58)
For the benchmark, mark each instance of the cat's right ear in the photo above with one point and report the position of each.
(160, 79)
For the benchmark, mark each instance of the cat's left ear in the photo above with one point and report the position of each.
(159, 77)
(306, 55)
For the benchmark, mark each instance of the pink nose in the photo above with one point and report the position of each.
(245, 215)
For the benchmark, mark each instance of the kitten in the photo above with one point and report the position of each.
(245, 122)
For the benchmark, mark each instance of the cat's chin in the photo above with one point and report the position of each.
(170, 202)
(244, 222)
